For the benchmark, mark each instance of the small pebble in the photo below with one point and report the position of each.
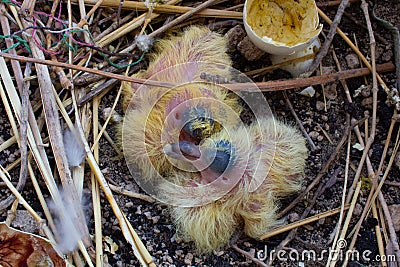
(148, 215)
(358, 209)
(320, 105)
(367, 102)
(218, 253)
(366, 91)
(188, 259)
(330, 91)
(115, 117)
(155, 219)
(139, 210)
(129, 204)
(292, 217)
(352, 61)
(247, 244)
(314, 135)
(24, 221)
(179, 252)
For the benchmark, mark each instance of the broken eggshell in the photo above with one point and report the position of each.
(299, 62)
(281, 27)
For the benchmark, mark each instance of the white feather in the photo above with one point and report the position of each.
(74, 148)
(143, 42)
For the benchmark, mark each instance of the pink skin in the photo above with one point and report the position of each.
(175, 109)
(193, 154)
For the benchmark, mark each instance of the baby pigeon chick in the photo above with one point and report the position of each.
(239, 183)
(156, 116)
(197, 50)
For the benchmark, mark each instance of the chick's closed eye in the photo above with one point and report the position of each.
(199, 123)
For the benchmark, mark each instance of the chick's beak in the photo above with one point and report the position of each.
(182, 150)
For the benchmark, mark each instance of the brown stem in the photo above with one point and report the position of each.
(263, 86)
(364, 7)
(289, 104)
(329, 38)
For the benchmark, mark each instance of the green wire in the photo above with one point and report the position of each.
(8, 2)
(20, 41)
(123, 66)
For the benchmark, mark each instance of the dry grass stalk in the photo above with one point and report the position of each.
(323, 88)
(332, 261)
(130, 235)
(16, 67)
(305, 221)
(9, 142)
(34, 139)
(369, 165)
(55, 134)
(128, 193)
(249, 255)
(374, 193)
(339, 223)
(96, 189)
(379, 235)
(111, 142)
(108, 119)
(392, 233)
(257, 72)
(9, 200)
(167, 8)
(11, 214)
(373, 127)
(322, 172)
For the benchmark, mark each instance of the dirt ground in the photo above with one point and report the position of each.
(151, 221)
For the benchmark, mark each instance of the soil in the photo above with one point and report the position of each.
(151, 221)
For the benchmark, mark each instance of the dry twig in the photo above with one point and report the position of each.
(329, 38)
(289, 104)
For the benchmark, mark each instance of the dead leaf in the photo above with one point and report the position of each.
(19, 248)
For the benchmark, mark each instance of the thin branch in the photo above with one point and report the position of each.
(249, 256)
(165, 8)
(263, 86)
(329, 38)
(289, 104)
